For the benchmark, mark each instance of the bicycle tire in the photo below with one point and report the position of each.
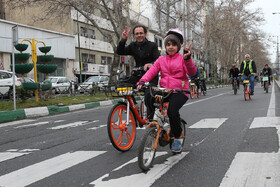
(266, 87)
(192, 92)
(146, 152)
(122, 136)
(245, 93)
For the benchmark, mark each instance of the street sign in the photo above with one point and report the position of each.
(15, 35)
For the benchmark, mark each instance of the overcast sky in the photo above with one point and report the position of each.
(272, 22)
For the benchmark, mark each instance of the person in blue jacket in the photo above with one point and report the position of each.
(196, 78)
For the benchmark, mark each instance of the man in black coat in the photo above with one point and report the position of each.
(144, 52)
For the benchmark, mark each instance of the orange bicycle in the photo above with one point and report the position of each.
(193, 90)
(247, 89)
(123, 119)
(158, 131)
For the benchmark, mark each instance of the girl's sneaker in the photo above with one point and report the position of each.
(176, 146)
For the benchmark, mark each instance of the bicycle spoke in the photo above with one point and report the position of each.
(119, 141)
(128, 136)
(114, 125)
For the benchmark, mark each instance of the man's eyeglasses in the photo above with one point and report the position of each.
(138, 33)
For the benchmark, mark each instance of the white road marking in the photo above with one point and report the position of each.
(13, 153)
(255, 169)
(271, 108)
(98, 127)
(41, 170)
(76, 107)
(16, 122)
(74, 124)
(39, 124)
(141, 179)
(205, 99)
(209, 123)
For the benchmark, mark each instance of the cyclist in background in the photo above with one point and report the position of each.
(174, 69)
(248, 70)
(195, 78)
(267, 72)
(233, 73)
(203, 77)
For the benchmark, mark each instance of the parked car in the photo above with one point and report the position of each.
(59, 84)
(100, 81)
(6, 81)
(26, 79)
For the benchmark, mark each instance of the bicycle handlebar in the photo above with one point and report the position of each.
(163, 90)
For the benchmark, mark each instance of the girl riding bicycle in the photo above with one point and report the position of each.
(174, 69)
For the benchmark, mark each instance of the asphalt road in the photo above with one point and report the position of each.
(229, 142)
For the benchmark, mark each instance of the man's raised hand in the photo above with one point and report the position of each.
(125, 33)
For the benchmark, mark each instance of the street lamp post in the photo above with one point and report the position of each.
(277, 56)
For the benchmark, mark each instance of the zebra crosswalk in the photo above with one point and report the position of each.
(246, 169)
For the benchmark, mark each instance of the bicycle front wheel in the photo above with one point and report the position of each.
(146, 152)
(245, 93)
(122, 134)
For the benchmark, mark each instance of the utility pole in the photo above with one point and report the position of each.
(277, 58)
(188, 22)
(78, 28)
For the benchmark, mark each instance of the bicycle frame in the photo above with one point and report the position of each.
(131, 104)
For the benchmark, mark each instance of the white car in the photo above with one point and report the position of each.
(59, 84)
(6, 81)
(101, 81)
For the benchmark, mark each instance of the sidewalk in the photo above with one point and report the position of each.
(12, 115)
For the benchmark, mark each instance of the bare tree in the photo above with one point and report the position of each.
(116, 13)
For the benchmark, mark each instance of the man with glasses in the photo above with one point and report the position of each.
(248, 70)
(144, 52)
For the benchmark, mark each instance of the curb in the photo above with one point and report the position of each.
(12, 115)
(6, 116)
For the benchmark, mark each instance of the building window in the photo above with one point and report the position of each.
(109, 60)
(91, 33)
(84, 57)
(83, 32)
(158, 41)
(103, 38)
(91, 59)
(103, 60)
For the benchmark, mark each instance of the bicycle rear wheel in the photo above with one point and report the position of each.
(266, 87)
(146, 152)
(192, 92)
(121, 134)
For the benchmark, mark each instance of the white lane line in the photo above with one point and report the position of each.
(253, 169)
(39, 124)
(13, 153)
(41, 170)
(209, 123)
(206, 98)
(71, 125)
(98, 127)
(271, 108)
(141, 179)
(16, 122)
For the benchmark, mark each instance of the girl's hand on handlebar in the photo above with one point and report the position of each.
(139, 87)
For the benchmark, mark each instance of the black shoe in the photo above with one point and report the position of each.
(252, 93)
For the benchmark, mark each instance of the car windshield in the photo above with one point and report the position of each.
(92, 79)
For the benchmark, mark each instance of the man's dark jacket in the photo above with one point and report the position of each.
(144, 53)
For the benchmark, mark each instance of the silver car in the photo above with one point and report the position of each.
(59, 84)
(6, 81)
(100, 81)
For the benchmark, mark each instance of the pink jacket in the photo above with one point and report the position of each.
(174, 71)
